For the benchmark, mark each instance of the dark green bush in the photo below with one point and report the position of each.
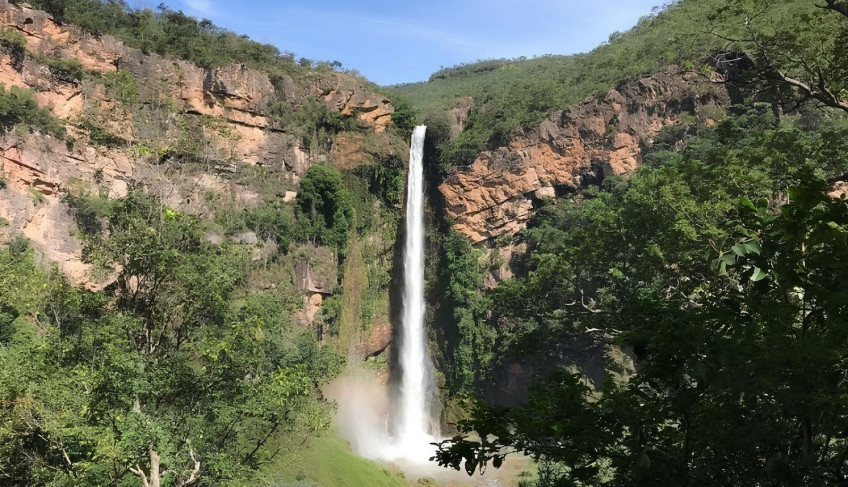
(16, 43)
(325, 210)
(68, 70)
(18, 107)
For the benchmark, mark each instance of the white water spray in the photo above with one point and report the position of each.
(401, 429)
(412, 435)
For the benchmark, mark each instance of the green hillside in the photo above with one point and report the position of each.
(687, 34)
(717, 267)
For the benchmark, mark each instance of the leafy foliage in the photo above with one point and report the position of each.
(16, 43)
(721, 267)
(123, 86)
(175, 379)
(325, 211)
(18, 107)
(468, 342)
(403, 118)
(64, 69)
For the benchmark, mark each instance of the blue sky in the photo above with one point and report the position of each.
(401, 41)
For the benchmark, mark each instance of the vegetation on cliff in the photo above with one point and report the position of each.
(197, 364)
(20, 111)
(795, 36)
(168, 32)
(718, 267)
(188, 367)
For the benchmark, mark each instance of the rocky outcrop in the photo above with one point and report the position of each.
(352, 150)
(306, 280)
(222, 113)
(839, 190)
(594, 139)
(459, 114)
(44, 35)
(236, 94)
(48, 165)
(350, 96)
(377, 341)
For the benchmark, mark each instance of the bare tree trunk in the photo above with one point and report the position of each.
(154, 468)
(194, 472)
(155, 477)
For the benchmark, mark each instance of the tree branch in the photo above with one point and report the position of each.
(194, 473)
(140, 473)
(821, 94)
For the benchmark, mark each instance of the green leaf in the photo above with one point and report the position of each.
(758, 274)
(752, 248)
(746, 203)
(794, 193)
(715, 263)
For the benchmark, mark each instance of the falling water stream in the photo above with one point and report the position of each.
(411, 432)
(398, 427)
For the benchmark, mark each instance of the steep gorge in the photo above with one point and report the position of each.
(299, 178)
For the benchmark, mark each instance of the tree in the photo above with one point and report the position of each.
(800, 47)
(325, 207)
(734, 309)
(166, 376)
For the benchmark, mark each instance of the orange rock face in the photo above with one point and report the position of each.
(350, 96)
(378, 340)
(229, 103)
(597, 138)
(839, 190)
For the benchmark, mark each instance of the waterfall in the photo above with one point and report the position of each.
(399, 428)
(411, 430)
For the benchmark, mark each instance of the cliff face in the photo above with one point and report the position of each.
(599, 137)
(224, 115)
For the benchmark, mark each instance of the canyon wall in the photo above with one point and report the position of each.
(599, 137)
(200, 139)
(227, 108)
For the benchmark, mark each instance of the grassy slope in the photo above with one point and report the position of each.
(328, 462)
(671, 36)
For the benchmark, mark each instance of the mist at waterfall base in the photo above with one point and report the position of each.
(397, 427)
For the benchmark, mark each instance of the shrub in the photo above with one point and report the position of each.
(16, 43)
(37, 197)
(123, 86)
(325, 210)
(68, 70)
(18, 107)
(99, 134)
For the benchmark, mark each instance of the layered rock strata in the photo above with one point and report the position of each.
(596, 138)
(229, 104)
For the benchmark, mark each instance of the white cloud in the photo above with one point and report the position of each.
(203, 7)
